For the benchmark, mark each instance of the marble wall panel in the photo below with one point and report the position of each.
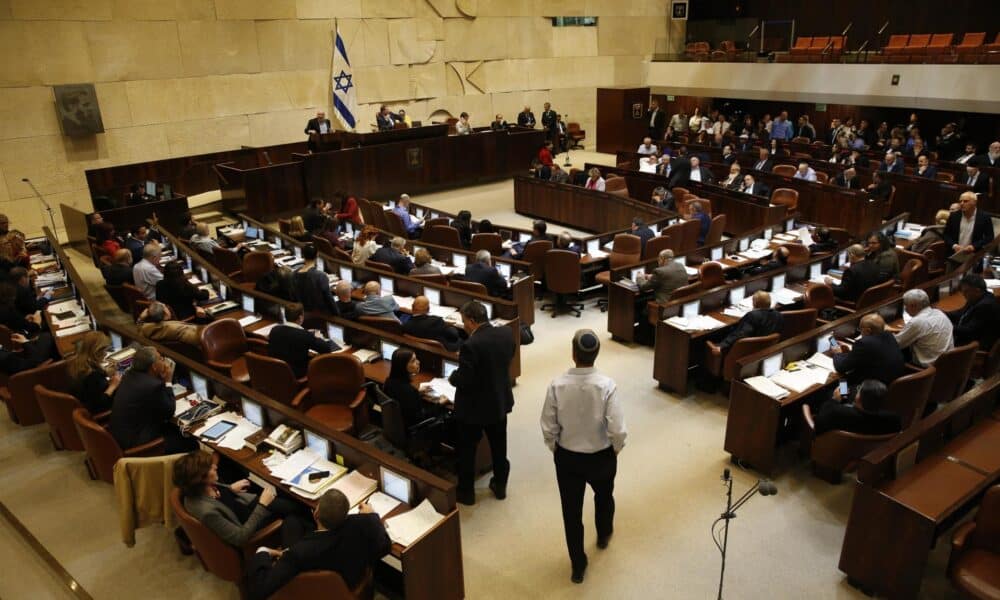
(294, 45)
(479, 39)
(27, 112)
(574, 41)
(44, 52)
(255, 9)
(210, 135)
(388, 9)
(61, 10)
(124, 51)
(218, 47)
(272, 128)
(405, 46)
(382, 84)
(428, 81)
(328, 9)
(530, 37)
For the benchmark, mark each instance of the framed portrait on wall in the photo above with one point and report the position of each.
(77, 108)
(679, 10)
(637, 112)
(414, 158)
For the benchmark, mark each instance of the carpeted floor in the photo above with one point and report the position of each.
(668, 493)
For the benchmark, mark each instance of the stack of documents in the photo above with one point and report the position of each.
(691, 271)
(785, 296)
(736, 312)
(442, 311)
(365, 355)
(411, 525)
(625, 281)
(288, 467)
(766, 386)
(356, 487)
(440, 387)
(597, 254)
(236, 436)
(266, 330)
(800, 380)
(312, 490)
(992, 284)
(382, 504)
(50, 278)
(404, 302)
(85, 326)
(822, 361)
(697, 323)
(249, 320)
(755, 254)
(41, 258)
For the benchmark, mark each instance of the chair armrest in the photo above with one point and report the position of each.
(912, 368)
(300, 400)
(151, 448)
(268, 535)
(961, 536)
(237, 275)
(257, 345)
(358, 399)
(218, 365)
(102, 416)
(807, 415)
(360, 410)
(303, 380)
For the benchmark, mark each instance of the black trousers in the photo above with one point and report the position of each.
(574, 471)
(469, 435)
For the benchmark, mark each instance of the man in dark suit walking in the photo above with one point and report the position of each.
(657, 120)
(858, 277)
(291, 343)
(549, 121)
(483, 398)
(346, 544)
(430, 327)
(482, 271)
(315, 126)
(968, 229)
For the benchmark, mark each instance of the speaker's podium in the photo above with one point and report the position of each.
(621, 118)
(323, 142)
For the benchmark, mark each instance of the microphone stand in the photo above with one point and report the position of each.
(48, 208)
(730, 514)
(566, 163)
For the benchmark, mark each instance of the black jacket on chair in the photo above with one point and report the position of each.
(292, 345)
(756, 323)
(483, 395)
(766, 166)
(142, 408)
(487, 275)
(834, 416)
(430, 327)
(982, 229)
(874, 356)
(857, 278)
(350, 549)
(979, 322)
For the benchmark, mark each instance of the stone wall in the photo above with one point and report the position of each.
(180, 77)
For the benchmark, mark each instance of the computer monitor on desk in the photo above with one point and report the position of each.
(504, 269)
(448, 367)
(433, 296)
(200, 385)
(593, 246)
(388, 349)
(250, 232)
(395, 485)
(253, 412)
(771, 365)
(248, 303)
(317, 443)
(386, 283)
(777, 282)
(458, 260)
(335, 333)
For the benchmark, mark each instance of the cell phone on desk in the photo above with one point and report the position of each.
(318, 475)
(843, 389)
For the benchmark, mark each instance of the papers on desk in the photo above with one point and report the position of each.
(312, 490)
(356, 487)
(736, 312)
(597, 254)
(755, 254)
(822, 361)
(625, 281)
(266, 330)
(382, 504)
(50, 278)
(43, 266)
(67, 306)
(696, 323)
(786, 237)
(785, 296)
(366, 356)
(801, 379)
(288, 467)
(235, 438)
(442, 311)
(85, 326)
(691, 271)
(507, 244)
(907, 234)
(181, 405)
(68, 321)
(410, 526)
(41, 258)
(766, 386)
(194, 280)
(992, 284)
(212, 295)
(249, 320)
(440, 388)
(445, 269)
(404, 302)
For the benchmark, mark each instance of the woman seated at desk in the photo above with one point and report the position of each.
(297, 229)
(90, 383)
(230, 510)
(178, 293)
(365, 246)
(399, 386)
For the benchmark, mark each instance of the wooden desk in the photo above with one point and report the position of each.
(335, 140)
(125, 219)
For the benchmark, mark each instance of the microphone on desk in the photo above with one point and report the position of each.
(48, 208)
(767, 488)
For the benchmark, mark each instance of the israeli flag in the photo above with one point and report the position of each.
(345, 100)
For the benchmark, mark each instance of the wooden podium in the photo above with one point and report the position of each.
(621, 118)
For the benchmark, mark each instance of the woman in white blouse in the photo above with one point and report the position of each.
(595, 182)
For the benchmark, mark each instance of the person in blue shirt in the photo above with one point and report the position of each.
(413, 227)
(706, 221)
(781, 129)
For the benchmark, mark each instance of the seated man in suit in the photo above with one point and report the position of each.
(384, 119)
(143, 405)
(891, 164)
(848, 179)
(665, 278)
(879, 188)
(735, 179)
(538, 229)
(347, 544)
(764, 162)
(641, 231)
(347, 307)
(978, 181)
(968, 229)
(858, 277)
(647, 147)
(698, 214)
(291, 343)
(157, 323)
(395, 256)
(875, 355)
(699, 173)
(431, 327)
(482, 271)
(924, 168)
(135, 242)
(865, 416)
(979, 319)
(564, 241)
(762, 320)
(375, 304)
(120, 269)
(750, 186)
(312, 284)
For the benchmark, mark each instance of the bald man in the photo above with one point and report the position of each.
(375, 304)
(968, 229)
(347, 306)
(762, 320)
(875, 355)
(424, 325)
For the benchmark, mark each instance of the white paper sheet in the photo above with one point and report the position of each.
(408, 527)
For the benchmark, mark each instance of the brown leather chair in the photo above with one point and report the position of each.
(715, 230)
(134, 298)
(117, 293)
(626, 249)
(819, 296)
(469, 286)
(685, 290)
(217, 557)
(684, 206)
(19, 395)
(58, 409)
(223, 344)
(273, 377)
(562, 277)
(710, 275)
(874, 295)
(325, 584)
(102, 449)
(725, 367)
(797, 322)
(426, 341)
(907, 395)
(675, 233)
(784, 170)
(913, 273)
(334, 394)
(322, 244)
(974, 564)
(255, 265)
(798, 254)
(954, 368)
(436, 221)
(228, 261)
(575, 134)
(386, 324)
(614, 184)
(654, 246)
(936, 257)
(438, 278)
(394, 224)
(836, 452)
(534, 254)
(822, 177)
(379, 266)
(787, 197)
(491, 242)
(679, 195)
(442, 235)
(689, 231)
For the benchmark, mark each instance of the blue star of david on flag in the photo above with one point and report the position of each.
(345, 101)
(342, 82)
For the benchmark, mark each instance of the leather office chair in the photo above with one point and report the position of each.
(334, 393)
(954, 368)
(787, 197)
(913, 273)
(117, 294)
(438, 278)
(273, 377)
(822, 177)
(394, 224)
(217, 557)
(685, 207)
(223, 344)
(576, 135)
(426, 341)
(379, 266)
(58, 407)
(689, 235)
(102, 449)
(836, 452)
(675, 234)
(797, 322)
(798, 254)
(974, 564)
(710, 275)
(325, 584)
(469, 286)
(19, 395)
(412, 440)
(715, 230)
(784, 170)
(436, 221)
(255, 265)
(386, 324)
(679, 194)
(442, 235)
(725, 367)
(133, 298)
(908, 395)
(874, 295)
(534, 254)
(615, 184)
(626, 249)
(228, 261)
(936, 257)
(491, 242)
(562, 277)
(655, 245)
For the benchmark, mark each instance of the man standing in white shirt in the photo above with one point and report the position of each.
(584, 426)
(147, 272)
(928, 333)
